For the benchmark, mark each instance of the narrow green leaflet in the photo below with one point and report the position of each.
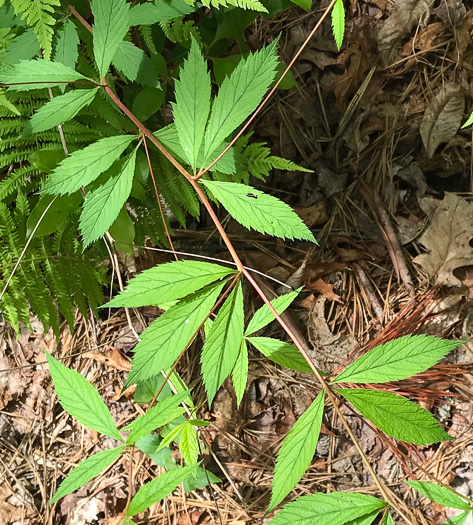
(80, 399)
(87, 470)
(239, 95)
(110, 28)
(264, 316)
(338, 22)
(60, 109)
(240, 372)
(159, 488)
(306, 4)
(297, 451)
(173, 435)
(396, 416)
(38, 74)
(222, 346)
(84, 165)
(157, 416)
(168, 282)
(67, 43)
(439, 494)
(284, 354)
(192, 107)
(388, 520)
(397, 359)
(163, 341)
(268, 214)
(158, 11)
(457, 520)
(188, 444)
(103, 205)
(469, 121)
(337, 508)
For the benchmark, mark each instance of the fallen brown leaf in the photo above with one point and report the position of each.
(115, 359)
(325, 289)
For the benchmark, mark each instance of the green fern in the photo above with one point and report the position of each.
(245, 4)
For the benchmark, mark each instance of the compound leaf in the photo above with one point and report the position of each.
(338, 22)
(159, 488)
(240, 372)
(397, 359)
(396, 416)
(110, 28)
(297, 451)
(268, 214)
(103, 205)
(192, 107)
(163, 341)
(60, 109)
(264, 316)
(239, 95)
(439, 494)
(222, 345)
(87, 470)
(284, 354)
(337, 508)
(80, 399)
(168, 282)
(85, 165)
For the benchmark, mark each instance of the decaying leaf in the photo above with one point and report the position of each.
(447, 238)
(406, 14)
(442, 118)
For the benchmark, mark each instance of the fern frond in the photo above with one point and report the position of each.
(255, 5)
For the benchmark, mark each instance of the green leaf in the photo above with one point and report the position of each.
(240, 372)
(146, 103)
(239, 95)
(469, 122)
(396, 416)
(222, 346)
(192, 107)
(188, 444)
(146, 390)
(159, 11)
(84, 165)
(123, 232)
(388, 520)
(103, 205)
(306, 4)
(134, 64)
(60, 109)
(163, 341)
(80, 399)
(110, 28)
(67, 43)
(284, 354)
(268, 214)
(168, 282)
(439, 494)
(337, 508)
(157, 416)
(25, 47)
(58, 212)
(397, 359)
(87, 470)
(457, 520)
(159, 488)
(173, 435)
(38, 74)
(264, 316)
(367, 519)
(338, 22)
(297, 451)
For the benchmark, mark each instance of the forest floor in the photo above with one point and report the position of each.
(390, 201)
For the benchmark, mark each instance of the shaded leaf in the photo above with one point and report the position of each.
(458, 520)
(439, 494)
(284, 354)
(67, 43)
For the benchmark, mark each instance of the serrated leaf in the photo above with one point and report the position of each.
(239, 95)
(458, 520)
(192, 107)
(264, 316)
(439, 494)
(110, 28)
(173, 435)
(364, 520)
(135, 65)
(80, 399)
(38, 74)
(157, 416)
(297, 451)
(338, 22)
(60, 109)
(388, 520)
(397, 359)
(103, 205)
(188, 445)
(159, 11)
(268, 214)
(168, 282)
(240, 372)
(337, 508)
(85, 471)
(163, 341)
(25, 47)
(222, 345)
(469, 122)
(396, 416)
(284, 354)
(159, 488)
(84, 165)
(67, 43)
